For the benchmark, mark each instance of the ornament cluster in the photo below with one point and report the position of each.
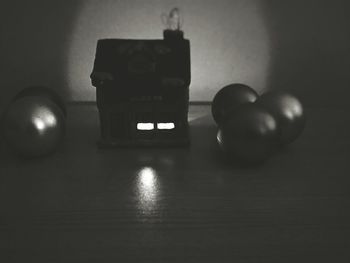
(251, 127)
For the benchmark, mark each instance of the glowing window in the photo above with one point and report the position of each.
(145, 126)
(166, 126)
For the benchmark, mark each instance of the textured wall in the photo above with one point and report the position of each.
(298, 45)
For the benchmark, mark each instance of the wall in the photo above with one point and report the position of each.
(228, 39)
(34, 40)
(302, 46)
(310, 50)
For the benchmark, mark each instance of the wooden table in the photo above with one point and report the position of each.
(179, 205)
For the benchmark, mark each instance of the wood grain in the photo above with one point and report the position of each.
(178, 205)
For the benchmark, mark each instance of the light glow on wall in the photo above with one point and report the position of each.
(229, 40)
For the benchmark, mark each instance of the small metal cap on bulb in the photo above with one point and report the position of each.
(173, 22)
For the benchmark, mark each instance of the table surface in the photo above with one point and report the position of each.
(84, 204)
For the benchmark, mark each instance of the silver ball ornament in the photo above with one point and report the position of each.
(248, 135)
(288, 111)
(33, 126)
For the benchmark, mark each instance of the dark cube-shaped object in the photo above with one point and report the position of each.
(142, 91)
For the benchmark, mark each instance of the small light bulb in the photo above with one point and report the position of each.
(173, 20)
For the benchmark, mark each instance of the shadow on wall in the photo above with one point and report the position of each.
(33, 46)
(310, 50)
